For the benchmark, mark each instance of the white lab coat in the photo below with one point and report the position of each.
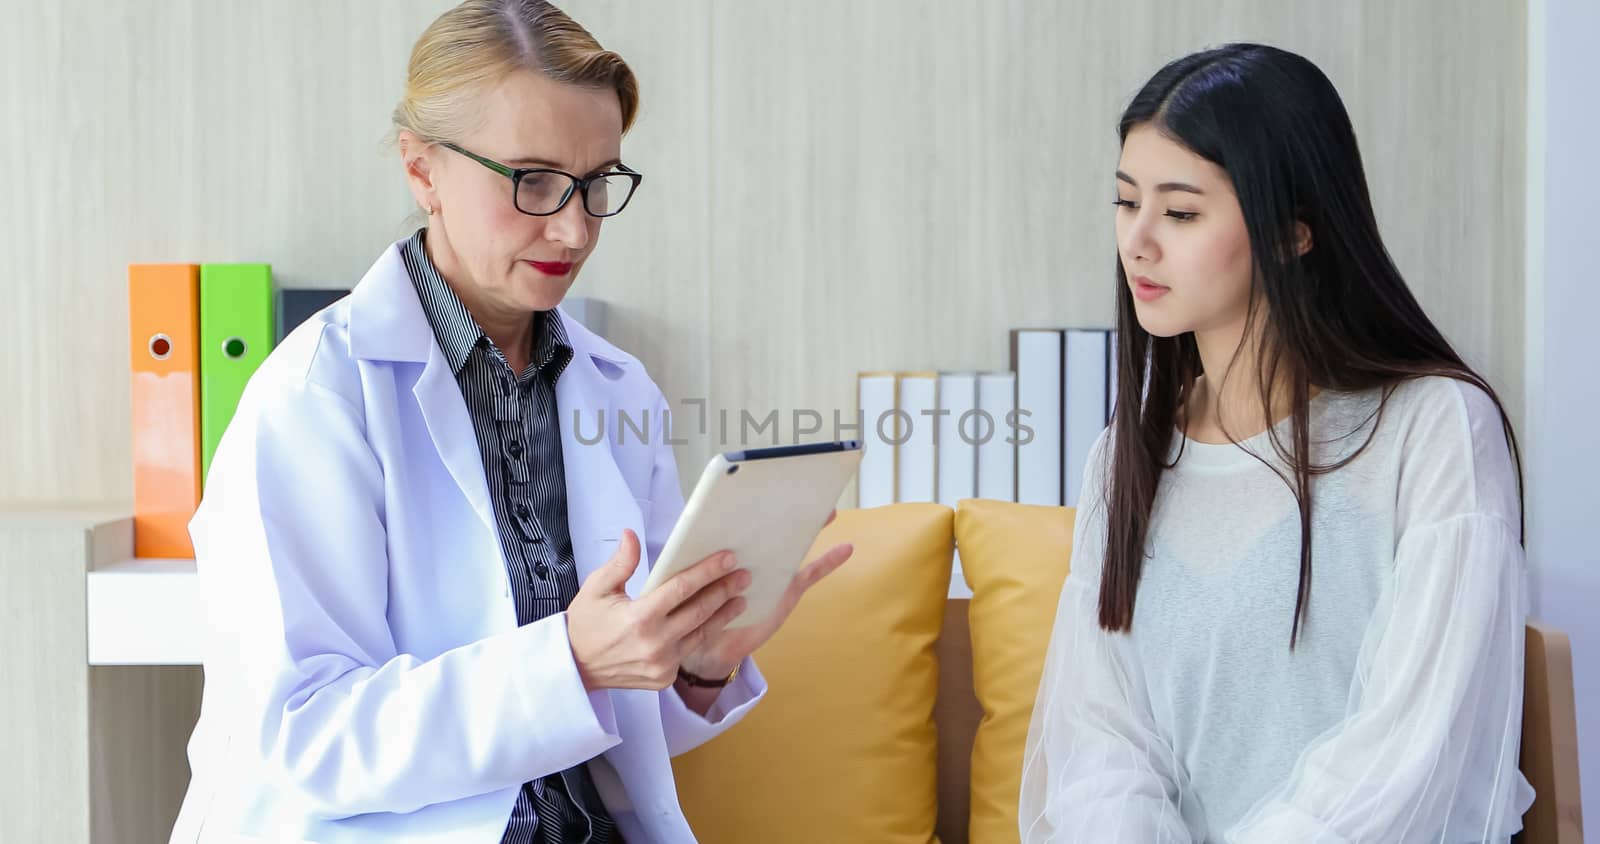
(365, 677)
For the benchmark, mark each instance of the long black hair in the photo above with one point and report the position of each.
(1338, 317)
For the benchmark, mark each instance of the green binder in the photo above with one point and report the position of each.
(236, 333)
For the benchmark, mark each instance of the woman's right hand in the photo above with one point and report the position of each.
(620, 643)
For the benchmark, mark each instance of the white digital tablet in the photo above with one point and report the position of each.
(767, 506)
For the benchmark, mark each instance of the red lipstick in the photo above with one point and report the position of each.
(552, 268)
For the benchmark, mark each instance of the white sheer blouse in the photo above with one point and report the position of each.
(1397, 716)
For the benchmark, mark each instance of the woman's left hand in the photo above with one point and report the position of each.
(717, 652)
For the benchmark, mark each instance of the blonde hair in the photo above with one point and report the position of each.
(473, 46)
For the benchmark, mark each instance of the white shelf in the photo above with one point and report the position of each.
(958, 581)
(144, 612)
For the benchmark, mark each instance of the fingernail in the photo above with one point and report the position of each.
(745, 578)
(728, 562)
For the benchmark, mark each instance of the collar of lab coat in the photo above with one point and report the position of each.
(387, 323)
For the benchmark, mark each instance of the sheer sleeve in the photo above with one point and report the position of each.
(1095, 767)
(1428, 747)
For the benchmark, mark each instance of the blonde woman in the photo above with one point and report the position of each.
(418, 573)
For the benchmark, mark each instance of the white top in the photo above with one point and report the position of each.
(1396, 718)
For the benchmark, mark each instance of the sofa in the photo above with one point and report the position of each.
(898, 714)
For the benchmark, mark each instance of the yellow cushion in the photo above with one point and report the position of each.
(843, 748)
(1015, 559)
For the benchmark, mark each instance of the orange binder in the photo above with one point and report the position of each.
(164, 328)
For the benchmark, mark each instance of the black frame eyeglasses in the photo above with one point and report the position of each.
(620, 176)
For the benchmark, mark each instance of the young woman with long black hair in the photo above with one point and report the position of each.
(1296, 604)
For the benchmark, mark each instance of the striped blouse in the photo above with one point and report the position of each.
(519, 438)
